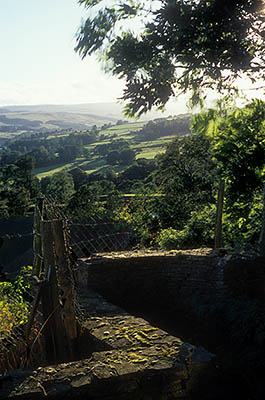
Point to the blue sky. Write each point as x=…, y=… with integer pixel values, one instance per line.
x=38, y=62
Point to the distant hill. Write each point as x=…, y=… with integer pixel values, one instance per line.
x=17, y=120
x=106, y=110
x=85, y=114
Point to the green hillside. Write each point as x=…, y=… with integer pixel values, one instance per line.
x=135, y=135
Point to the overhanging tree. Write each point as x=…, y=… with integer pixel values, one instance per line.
x=179, y=46
x=238, y=146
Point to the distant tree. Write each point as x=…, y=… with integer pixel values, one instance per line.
x=95, y=177
x=69, y=152
x=101, y=149
x=83, y=202
x=79, y=177
x=10, y=156
x=113, y=157
x=42, y=157
x=187, y=178
x=102, y=187
x=110, y=174
x=60, y=187
x=183, y=46
x=18, y=201
x=139, y=170
x=45, y=181
x=18, y=186
x=127, y=156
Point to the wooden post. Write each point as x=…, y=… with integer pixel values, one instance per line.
x=66, y=284
x=219, y=215
x=262, y=232
x=55, y=340
x=37, y=242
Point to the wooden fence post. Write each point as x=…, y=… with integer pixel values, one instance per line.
x=219, y=215
x=55, y=340
x=262, y=232
x=37, y=241
x=66, y=283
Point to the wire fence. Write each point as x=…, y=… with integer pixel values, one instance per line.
x=28, y=318
x=91, y=234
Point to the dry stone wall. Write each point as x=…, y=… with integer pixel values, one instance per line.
x=171, y=279
x=164, y=280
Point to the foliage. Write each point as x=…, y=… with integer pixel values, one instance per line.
x=239, y=148
x=199, y=230
x=186, y=176
x=164, y=127
x=237, y=137
x=141, y=214
x=85, y=201
x=18, y=186
x=60, y=186
x=14, y=308
x=242, y=223
x=179, y=46
x=47, y=150
x=167, y=239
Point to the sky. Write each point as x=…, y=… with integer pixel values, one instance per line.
x=38, y=62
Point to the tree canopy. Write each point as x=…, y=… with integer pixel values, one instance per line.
x=179, y=46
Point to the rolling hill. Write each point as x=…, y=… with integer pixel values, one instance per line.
x=25, y=120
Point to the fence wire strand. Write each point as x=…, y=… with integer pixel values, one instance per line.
x=85, y=237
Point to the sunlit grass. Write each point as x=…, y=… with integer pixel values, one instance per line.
x=123, y=129
x=94, y=163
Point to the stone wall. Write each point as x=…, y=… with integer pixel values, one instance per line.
x=171, y=279
x=246, y=277
x=129, y=360
x=157, y=279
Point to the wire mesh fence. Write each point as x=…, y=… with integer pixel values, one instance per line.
x=91, y=234
x=29, y=313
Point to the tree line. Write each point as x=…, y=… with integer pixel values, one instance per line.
x=174, y=195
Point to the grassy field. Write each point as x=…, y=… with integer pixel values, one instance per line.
x=123, y=131
x=94, y=163
x=52, y=169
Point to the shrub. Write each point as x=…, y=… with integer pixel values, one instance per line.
x=168, y=239
x=198, y=231
x=14, y=308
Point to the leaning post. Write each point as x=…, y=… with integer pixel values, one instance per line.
x=37, y=239
x=54, y=332
x=262, y=232
x=66, y=283
x=219, y=215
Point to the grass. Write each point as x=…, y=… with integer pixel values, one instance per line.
x=145, y=149
x=123, y=129
x=148, y=154
x=52, y=169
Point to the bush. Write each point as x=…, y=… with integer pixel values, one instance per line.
x=14, y=308
x=198, y=231
x=168, y=239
